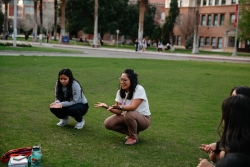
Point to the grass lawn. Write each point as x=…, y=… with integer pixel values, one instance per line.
x=184, y=96
x=37, y=49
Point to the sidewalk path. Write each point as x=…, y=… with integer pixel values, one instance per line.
x=125, y=53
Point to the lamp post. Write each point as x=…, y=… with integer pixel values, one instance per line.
x=15, y=15
x=236, y=32
x=117, y=32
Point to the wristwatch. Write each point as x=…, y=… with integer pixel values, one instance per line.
x=120, y=108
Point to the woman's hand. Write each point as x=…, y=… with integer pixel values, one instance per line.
x=204, y=163
x=56, y=105
x=209, y=148
x=100, y=104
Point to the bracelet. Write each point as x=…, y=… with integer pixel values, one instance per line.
x=120, y=108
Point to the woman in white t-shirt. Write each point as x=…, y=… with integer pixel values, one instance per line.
x=131, y=110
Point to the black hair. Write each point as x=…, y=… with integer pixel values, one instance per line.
x=233, y=160
x=133, y=83
x=245, y=90
x=235, y=136
x=59, y=91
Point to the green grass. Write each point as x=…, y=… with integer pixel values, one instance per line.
x=184, y=97
x=37, y=49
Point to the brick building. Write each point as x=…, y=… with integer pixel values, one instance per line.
x=216, y=28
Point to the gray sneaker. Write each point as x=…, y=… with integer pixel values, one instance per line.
x=63, y=121
x=80, y=125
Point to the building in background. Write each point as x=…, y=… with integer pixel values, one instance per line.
x=216, y=28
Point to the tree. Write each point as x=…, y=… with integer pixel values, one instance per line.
x=41, y=16
x=55, y=18
x=27, y=24
x=244, y=21
x=168, y=26
x=95, y=44
x=35, y=19
x=63, y=3
x=186, y=23
x=195, y=49
x=5, y=25
x=143, y=4
x=1, y=21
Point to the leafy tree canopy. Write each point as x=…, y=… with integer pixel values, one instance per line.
x=244, y=21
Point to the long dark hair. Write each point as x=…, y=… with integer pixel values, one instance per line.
x=59, y=92
x=133, y=83
x=245, y=90
x=235, y=135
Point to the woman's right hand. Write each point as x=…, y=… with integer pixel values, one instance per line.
x=100, y=104
x=209, y=148
x=52, y=104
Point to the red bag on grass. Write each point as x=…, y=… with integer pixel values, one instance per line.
x=26, y=151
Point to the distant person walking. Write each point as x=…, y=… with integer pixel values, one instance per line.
x=144, y=45
x=41, y=38
x=136, y=45
x=48, y=38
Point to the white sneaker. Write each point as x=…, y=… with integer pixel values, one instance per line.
x=63, y=122
x=80, y=125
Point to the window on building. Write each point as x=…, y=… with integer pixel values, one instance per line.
x=181, y=3
x=222, y=19
x=233, y=2
x=216, y=19
x=203, y=21
x=209, y=20
x=232, y=17
x=223, y=2
x=219, y=43
x=210, y=2
x=204, y=2
x=29, y=10
x=207, y=41
x=213, y=42
x=179, y=40
x=217, y=2
x=201, y=41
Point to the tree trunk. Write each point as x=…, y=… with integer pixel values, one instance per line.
x=5, y=23
x=41, y=16
x=55, y=19
x=62, y=19
x=196, y=27
x=141, y=19
x=95, y=44
x=35, y=19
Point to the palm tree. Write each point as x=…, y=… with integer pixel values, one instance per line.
x=196, y=27
x=62, y=18
x=95, y=25
x=143, y=4
x=55, y=19
x=35, y=19
x=41, y=16
x=5, y=23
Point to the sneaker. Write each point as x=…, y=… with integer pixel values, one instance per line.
x=63, y=121
x=80, y=125
x=131, y=141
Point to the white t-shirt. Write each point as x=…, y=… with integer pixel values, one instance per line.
x=139, y=93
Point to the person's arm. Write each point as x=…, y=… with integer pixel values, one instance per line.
x=205, y=163
x=132, y=107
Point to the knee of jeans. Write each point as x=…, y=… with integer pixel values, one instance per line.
x=107, y=125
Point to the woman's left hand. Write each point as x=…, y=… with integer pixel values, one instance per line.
x=56, y=105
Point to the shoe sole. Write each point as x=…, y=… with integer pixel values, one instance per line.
x=130, y=144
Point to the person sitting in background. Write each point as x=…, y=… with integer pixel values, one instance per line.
x=235, y=136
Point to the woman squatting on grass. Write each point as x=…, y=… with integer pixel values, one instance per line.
x=70, y=100
x=235, y=137
x=131, y=110
x=214, y=149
